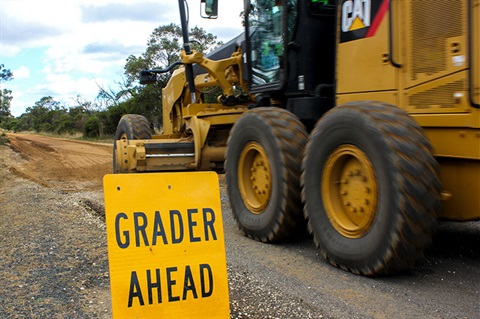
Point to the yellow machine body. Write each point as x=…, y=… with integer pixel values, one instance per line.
x=408, y=57
x=194, y=134
x=425, y=65
x=360, y=118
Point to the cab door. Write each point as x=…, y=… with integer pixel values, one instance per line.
x=364, y=68
x=265, y=32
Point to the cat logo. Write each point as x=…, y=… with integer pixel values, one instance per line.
x=355, y=15
x=361, y=18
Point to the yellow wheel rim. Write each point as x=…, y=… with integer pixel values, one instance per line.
x=254, y=179
x=349, y=191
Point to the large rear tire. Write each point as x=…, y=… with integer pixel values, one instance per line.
x=131, y=127
x=263, y=161
x=370, y=188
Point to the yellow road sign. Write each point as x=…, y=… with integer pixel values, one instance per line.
x=165, y=245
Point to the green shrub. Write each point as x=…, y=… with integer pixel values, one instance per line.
x=92, y=127
x=4, y=139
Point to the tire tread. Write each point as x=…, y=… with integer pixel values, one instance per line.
x=290, y=138
x=411, y=154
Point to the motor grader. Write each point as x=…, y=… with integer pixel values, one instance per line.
x=357, y=120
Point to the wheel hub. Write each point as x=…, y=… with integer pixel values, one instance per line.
x=349, y=191
x=254, y=177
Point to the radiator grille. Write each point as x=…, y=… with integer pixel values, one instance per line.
x=432, y=22
x=439, y=97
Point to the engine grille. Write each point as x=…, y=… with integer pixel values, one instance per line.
x=432, y=22
x=439, y=97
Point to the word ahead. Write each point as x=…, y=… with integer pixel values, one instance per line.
x=166, y=245
x=154, y=283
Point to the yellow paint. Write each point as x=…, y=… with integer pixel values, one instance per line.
x=350, y=191
x=475, y=11
x=432, y=84
x=361, y=66
x=461, y=179
x=357, y=24
x=166, y=226
x=255, y=178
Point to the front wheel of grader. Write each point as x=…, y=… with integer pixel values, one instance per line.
x=262, y=164
x=370, y=188
x=130, y=127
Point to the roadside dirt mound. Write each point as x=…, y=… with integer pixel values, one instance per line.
x=66, y=164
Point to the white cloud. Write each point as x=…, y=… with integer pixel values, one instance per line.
x=21, y=73
x=127, y=11
x=21, y=100
x=79, y=43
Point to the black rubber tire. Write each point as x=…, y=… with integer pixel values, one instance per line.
x=408, y=191
x=131, y=127
x=283, y=138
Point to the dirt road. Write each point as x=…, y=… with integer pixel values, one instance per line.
x=53, y=238
x=66, y=164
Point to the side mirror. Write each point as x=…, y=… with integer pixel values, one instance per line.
x=147, y=77
x=209, y=9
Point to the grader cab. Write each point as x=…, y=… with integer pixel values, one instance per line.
x=355, y=120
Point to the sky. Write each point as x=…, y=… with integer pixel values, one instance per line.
x=69, y=48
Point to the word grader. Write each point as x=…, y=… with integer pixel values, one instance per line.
x=147, y=235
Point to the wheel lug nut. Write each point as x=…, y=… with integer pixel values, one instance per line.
x=367, y=190
x=343, y=193
x=366, y=201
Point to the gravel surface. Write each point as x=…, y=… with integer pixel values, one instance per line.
x=54, y=254
x=54, y=261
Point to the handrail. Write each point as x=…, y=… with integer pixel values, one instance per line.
x=470, y=55
x=186, y=45
x=390, y=40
